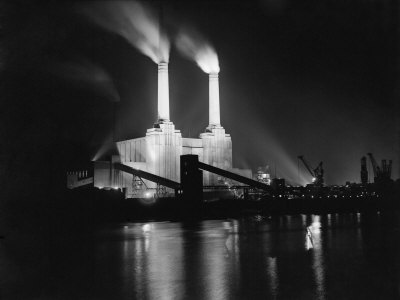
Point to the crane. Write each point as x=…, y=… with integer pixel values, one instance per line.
x=383, y=172
x=317, y=173
x=375, y=168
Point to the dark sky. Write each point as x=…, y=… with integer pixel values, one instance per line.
x=315, y=78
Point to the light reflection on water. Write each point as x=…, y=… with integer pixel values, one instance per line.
x=317, y=257
x=297, y=257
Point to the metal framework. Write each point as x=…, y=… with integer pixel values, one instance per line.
x=234, y=176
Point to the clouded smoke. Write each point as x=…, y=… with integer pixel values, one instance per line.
x=135, y=22
x=192, y=45
x=88, y=75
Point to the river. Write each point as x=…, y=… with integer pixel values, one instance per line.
x=334, y=256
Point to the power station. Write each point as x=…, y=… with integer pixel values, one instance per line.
x=159, y=151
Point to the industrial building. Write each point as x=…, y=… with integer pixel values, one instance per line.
x=159, y=151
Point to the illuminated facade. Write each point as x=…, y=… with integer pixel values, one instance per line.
x=159, y=151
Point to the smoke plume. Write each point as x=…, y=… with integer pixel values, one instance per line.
x=192, y=45
x=87, y=75
x=135, y=22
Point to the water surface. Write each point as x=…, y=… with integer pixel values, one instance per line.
x=347, y=256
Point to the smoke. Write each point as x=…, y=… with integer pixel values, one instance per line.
x=192, y=45
x=135, y=22
x=88, y=75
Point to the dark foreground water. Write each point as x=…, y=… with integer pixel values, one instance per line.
x=347, y=256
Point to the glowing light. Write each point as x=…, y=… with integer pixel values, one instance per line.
x=315, y=227
x=135, y=22
x=148, y=194
x=146, y=228
x=192, y=45
x=313, y=180
x=163, y=92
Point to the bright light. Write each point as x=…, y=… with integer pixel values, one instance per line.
x=115, y=188
x=191, y=44
x=134, y=21
x=147, y=194
x=146, y=228
x=313, y=180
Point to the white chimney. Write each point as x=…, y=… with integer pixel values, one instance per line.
x=214, y=100
x=163, y=92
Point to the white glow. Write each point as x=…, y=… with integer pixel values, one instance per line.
x=146, y=228
x=315, y=227
x=309, y=244
x=163, y=92
x=147, y=194
x=214, y=115
x=135, y=22
x=192, y=45
x=273, y=275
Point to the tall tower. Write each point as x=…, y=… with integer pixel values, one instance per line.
x=163, y=93
x=217, y=145
x=214, y=115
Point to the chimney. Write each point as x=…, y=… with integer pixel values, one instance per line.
x=163, y=93
x=214, y=101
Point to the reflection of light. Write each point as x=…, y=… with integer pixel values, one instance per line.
x=273, y=276
x=313, y=234
x=146, y=228
x=216, y=278
x=309, y=242
x=303, y=220
x=115, y=187
x=147, y=194
x=227, y=226
x=316, y=225
x=165, y=264
x=235, y=226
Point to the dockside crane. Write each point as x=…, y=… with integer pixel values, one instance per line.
x=317, y=173
x=381, y=173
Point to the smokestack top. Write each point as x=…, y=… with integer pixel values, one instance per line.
x=162, y=66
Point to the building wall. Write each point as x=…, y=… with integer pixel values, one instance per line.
x=133, y=150
x=192, y=146
x=163, y=151
x=217, y=151
x=159, y=153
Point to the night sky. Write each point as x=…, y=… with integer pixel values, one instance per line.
x=315, y=78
